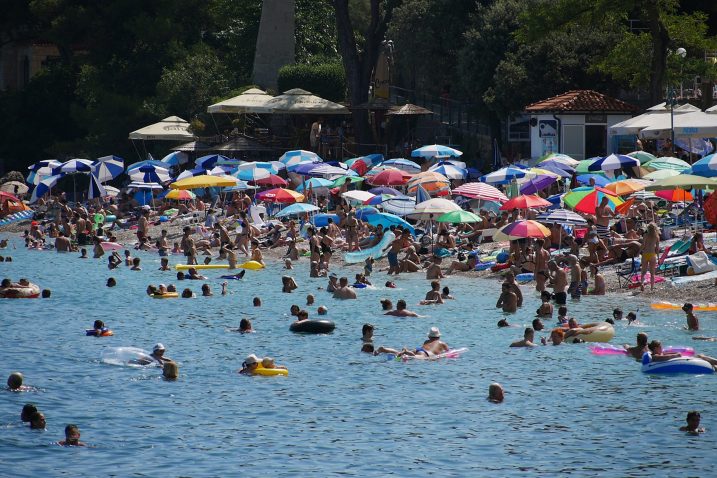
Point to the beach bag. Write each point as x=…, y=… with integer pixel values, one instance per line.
x=701, y=263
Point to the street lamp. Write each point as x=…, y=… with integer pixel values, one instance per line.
x=672, y=101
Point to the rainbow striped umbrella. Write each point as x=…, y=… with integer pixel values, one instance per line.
x=586, y=199
x=521, y=230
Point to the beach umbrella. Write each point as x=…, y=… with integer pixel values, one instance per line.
x=530, y=201
x=506, y=175
x=538, y=183
x=190, y=173
x=272, y=166
x=521, y=230
x=459, y=217
x=341, y=180
x=434, y=151
x=107, y=168
x=482, y=191
x=14, y=187
x=390, y=177
x=644, y=196
x=643, y=156
x=250, y=172
x=360, y=165
x=298, y=156
x=74, y=166
x=111, y=191
x=143, y=185
x=220, y=170
x=431, y=181
x=315, y=183
x=599, y=179
x=204, y=181
x=44, y=186
x=683, y=181
x=386, y=190
x=433, y=208
x=240, y=186
x=364, y=211
x=583, y=166
x=563, y=217
x=44, y=167
x=378, y=199
x=555, y=164
x=180, y=195
x=662, y=174
x=147, y=162
x=280, y=195
x=613, y=162
x=560, y=157
x=387, y=220
x=176, y=158
x=330, y=171
x=400, y=206
x=586, y=199
x=210, y=160
x=96, y=189
x=668, y=163
x=271, y=180
x=449, y=170
x=556, y=171
x=150, y=173
x=675, y=195
x=357, y=196
x=303, y=169
x=625, y=187
x=403, y=164
x=706, y=167
x=297, y=209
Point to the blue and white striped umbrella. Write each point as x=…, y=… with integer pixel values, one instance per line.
x=298, y=156
x=304, y=169
x=506, y=175
x=251, y=172
x=176, y=158
x=221, y=170
x=190, y=173
x=449, y=170
x=144, y=185
x=150, y=162
x=107, y=168
x=272, y=166
x=403, y=164
x=150, y=174
x=96, y=190
x=74, y=166
x=435, y=150
x=210, y=160
x=297, y=209
x=44, y=167
x=613, y=162
x=705, y=167
x=240, y=186
x=44, y=186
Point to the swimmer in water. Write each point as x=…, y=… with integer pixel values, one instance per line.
x=508, y=300
x=98, y=328
x=249, y=365
x=27, y=412
x=72, y=436
x=367, y=333
x=170, y=371
x=527, y=341
x=638, y=350
x=14, y=382
x=256, y=301
x=288, y=284
x=37, y=421
x=135, y=264
x=557, y=336
x=693, y=423
x=310, y=299
x=245, y=326
x=495, y=393
x=157, y=355
x=390, y=285
x=546, y=308
x=433, y=296
x=268, y=362
x=401, y=310
x=692, y=322
x=194, y=275
x=446, y=294
x=164, y=264
x=111, y=282
x=322, y=310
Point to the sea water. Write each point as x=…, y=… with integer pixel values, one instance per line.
x=339, y=412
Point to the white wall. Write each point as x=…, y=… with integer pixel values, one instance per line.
x=537, y=148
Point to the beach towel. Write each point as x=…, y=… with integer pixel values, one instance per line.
x=701, y=263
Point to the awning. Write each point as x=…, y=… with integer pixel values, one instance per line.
x=172, y=128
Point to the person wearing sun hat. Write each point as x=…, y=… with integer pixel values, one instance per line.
x=158, y=354
x=433, y=345
x=250, y=364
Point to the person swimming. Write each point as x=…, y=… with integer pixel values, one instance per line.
x=72, y=436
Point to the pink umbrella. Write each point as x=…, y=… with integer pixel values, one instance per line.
x=271, y=180
x=525, y=202
x=390, y=177
x=482, y=191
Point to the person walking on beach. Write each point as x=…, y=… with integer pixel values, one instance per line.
x=650, y=250
x=541, y=265
x=603, y=213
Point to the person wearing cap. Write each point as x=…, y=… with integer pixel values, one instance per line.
x=333, y=282
x=292, y=253
x=158, y=354
x=434, y=345
x=249, y=365
x=14, y=382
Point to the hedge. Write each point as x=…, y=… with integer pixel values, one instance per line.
x=327, y=80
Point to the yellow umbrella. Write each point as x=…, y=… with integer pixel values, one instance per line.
x=625, y=187
x=204, y=181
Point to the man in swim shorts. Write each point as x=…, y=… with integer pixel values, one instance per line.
x=560, y=283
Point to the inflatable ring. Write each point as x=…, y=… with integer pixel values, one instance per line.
x=313, y=326
x=500, y=267
x=270, y=372
x=251, y=265
x=677, y=365
x=696, y=307
x=110, y=218
x=166, y=295
x=481, y=266
x=359, y=286
x=105, y=333
x=29, y=292
x=599, y=332
x=525, y=277
x=98, y=218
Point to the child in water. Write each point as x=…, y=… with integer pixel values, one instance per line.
x=72, y=436
x=268, y=362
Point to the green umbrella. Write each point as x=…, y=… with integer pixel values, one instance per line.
x=667, y=163
x=457, y=217
x=582, y=167
x=340, y=181
x=643, y=156
x=661, y=174
x=683, y=181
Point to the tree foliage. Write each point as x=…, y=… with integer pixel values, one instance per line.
x=326, y=80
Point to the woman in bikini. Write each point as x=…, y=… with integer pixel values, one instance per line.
x=650, y=250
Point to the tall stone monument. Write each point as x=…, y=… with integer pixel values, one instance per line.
x=275, y=44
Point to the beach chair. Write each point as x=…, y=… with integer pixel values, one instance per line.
x=627, y=272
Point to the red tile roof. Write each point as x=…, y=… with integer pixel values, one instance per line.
x=581, y=100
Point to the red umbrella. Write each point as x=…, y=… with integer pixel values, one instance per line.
x=281, y=195
x=4, y=195
x=360, y=167
x=390, y=177
x=529, y=201
x=271, y=180
x=675, y=195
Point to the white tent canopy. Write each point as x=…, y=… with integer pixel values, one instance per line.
x=652, y=117
x=696, y=124
x=172, y=128
x=244, y=103
x=300, y=102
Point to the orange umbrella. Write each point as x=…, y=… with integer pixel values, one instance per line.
x=675, y=195
x=625, y=187
x=430, y=181
x=528, y=201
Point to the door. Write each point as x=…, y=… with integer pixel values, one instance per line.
x=574, y=141
x=595, y=140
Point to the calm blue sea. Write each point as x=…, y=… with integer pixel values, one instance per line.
x=339, y=412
